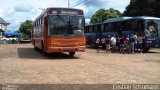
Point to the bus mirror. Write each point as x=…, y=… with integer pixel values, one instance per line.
x=57, y=14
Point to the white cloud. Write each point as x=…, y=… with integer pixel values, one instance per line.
x=23, y=8
x=91, y=6
x=117, y=4
x=17, y=11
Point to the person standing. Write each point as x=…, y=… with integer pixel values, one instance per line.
x=97, y=44
x=113, y=44
x=126, y=40
x=103, y=43
x=108, y=42
x=140, y=43
x=92, y=42
x=117, y=43
x=131, y=42
x=135, y=43
x=122, y=45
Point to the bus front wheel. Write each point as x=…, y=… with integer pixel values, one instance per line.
x=146, y=50
x=71, y=53
x=35, y=48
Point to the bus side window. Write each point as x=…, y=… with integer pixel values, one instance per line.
x=95, y=28
x=90, y=29
x=105, y=28
x=102, y=27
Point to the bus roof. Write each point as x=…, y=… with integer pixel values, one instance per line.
x=111, y=20
x=146, y=17
x=125, y=18
x=93, y=24
x=47, y=9
x=62, y=8
x=117, y=19
x=129, y=18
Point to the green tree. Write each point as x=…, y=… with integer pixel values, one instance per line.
x=104, y=14
x=143, y=8
x=26, y=28
x=156, y=8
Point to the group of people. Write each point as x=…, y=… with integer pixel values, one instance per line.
x=121, y=43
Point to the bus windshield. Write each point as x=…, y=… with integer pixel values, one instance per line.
x=153, y=27
x=66, y=26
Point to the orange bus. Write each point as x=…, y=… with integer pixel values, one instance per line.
x=59, y=30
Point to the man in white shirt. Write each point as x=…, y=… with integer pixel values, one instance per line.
x=113, y=44
x=97, y=44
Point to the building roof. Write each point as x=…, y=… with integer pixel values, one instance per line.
x=11, y=33
x=1, y=30
x=2, y=21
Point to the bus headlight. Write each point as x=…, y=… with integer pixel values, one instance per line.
x=81, y=44
x=81, y=48
x=149, y=41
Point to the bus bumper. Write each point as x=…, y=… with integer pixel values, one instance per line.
x=65, y=49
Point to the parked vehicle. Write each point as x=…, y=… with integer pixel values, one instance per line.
x=25, y=40
x=9, y=40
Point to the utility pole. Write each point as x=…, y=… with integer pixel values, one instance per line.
x=68, y=3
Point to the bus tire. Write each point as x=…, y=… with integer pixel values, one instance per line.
x=42, y=49
x=71, y=53
x=146, y=50
x=35, y=48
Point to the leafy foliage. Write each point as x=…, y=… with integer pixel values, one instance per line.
x=103, y=14
x=26, y=28
x=156, y=8
x=143, y=8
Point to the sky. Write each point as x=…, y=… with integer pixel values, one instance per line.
x=17, y=11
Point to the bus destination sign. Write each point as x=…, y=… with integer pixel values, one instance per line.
x=65, y=11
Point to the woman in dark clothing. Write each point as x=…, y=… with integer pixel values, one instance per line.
x=108, y=42
x=117, y=43
x=126, y=40
x=122, y=45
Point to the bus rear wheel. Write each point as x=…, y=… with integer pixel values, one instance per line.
x=71, y=53
x=42, y=50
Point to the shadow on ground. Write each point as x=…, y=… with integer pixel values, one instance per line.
x=30, y=53
x=149, y=60
x=153, y=52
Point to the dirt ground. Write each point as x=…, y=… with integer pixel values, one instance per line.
x=21, y=64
